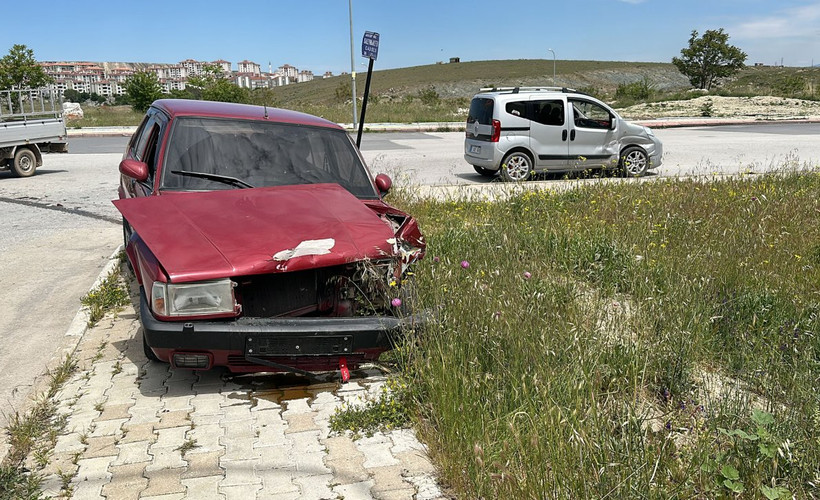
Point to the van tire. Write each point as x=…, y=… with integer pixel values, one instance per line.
x=24, y=163
x=486, y=172
x=634, y=162
x=517, y=167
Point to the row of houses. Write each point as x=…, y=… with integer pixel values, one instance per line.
x=108, y=79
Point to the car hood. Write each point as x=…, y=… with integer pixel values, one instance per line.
x=216, y=234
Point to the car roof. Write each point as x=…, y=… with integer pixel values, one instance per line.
x=189, y=107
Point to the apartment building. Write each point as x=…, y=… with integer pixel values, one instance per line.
x=88, y=77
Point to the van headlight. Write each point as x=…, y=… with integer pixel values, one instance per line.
x=200, y=298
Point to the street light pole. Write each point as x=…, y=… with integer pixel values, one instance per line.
x=352, y=61
x=553, y=66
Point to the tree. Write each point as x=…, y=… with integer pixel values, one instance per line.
x=19, y=70
x=212, y=85
x=142, y=89
x=709, y=58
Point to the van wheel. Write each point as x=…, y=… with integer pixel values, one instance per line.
x=24, y=163
x=485, y=171
x=634, y=162
x=517, y=167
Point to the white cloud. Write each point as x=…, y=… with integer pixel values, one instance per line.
x=793, y=23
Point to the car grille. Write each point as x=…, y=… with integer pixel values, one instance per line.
x=271, y=295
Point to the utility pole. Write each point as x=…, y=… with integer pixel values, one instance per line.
x=553, y=66
x=352, y=61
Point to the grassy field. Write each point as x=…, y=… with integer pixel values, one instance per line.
x=442, y=92
x=649, y=340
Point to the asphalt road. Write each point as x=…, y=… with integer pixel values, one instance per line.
x=58, y=228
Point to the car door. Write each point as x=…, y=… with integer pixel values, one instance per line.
x=144, y=147
x=548, y=132
x=592, y=140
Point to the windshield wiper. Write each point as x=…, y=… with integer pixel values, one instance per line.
x=225, y=179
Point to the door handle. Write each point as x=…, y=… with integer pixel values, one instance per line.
x=572, y=135
x=564, y=135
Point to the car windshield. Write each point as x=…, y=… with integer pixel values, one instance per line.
x=260, y=154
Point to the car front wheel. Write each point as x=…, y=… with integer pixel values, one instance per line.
x=516, y=167
x=634, y=162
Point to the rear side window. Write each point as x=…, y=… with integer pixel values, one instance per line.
x=481, y=111
x=548, y=112
x=517, y=108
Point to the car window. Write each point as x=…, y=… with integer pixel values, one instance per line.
x=587, y=114
x=548, y=112
x=261, y=154
x=517, y=108
x=481, y=111
x=138, y=141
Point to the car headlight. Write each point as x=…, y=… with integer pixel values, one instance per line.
x=649, y=131
x=193, y=299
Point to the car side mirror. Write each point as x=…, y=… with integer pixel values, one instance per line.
x=383, y=184
x=135, y=169
x=613, y=123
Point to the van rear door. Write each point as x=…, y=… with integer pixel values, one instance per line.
x=548, y=133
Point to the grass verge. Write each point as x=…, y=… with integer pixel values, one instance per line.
x=33, y=434
x=109, y=296
x=624, y=340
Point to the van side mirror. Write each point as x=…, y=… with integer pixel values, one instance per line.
x=383, y=184
x=135, y=169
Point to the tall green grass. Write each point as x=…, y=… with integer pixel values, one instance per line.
x=616, y=340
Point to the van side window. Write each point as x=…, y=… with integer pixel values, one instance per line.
x=548, y=112
x=590, y=115
x=518, y=108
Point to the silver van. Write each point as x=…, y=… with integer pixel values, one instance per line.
x=519, y=131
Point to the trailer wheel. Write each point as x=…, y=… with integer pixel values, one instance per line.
x=24, y=163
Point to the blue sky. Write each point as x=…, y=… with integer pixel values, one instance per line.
x=315, y=34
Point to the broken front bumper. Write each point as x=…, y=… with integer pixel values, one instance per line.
x=302, y=343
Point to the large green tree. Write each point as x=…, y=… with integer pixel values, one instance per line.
x=212, y=85
x=709, y=58
x=142, y=88
x=19, y=70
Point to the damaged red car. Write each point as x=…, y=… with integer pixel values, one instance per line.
x=261, y=242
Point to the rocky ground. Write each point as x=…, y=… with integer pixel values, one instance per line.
x=760, y=107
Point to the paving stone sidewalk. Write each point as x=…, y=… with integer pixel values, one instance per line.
x=137, y=429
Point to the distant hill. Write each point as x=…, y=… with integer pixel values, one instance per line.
x=462, y=80
x=454, y=80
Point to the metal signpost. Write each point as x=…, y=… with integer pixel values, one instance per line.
x=370, y=50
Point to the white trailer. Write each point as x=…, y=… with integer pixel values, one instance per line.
x=31, y=123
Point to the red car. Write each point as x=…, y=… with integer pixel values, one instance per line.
x=260, y=241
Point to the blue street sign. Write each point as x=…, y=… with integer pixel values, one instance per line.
x=370, y=45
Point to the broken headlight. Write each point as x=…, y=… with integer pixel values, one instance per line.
x=193, y=299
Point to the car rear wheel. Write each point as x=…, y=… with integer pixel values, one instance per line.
x=485, y=171
x=634, y=162
x=24, y=163
x=516, y=167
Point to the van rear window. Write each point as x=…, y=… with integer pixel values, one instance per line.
x=481, y=111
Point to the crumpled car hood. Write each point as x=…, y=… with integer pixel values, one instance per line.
x=217, y=234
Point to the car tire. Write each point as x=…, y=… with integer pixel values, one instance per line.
x=147, y=350
x=486, y=172
x=517, y=167
x=24, y=163
x=634, y=162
